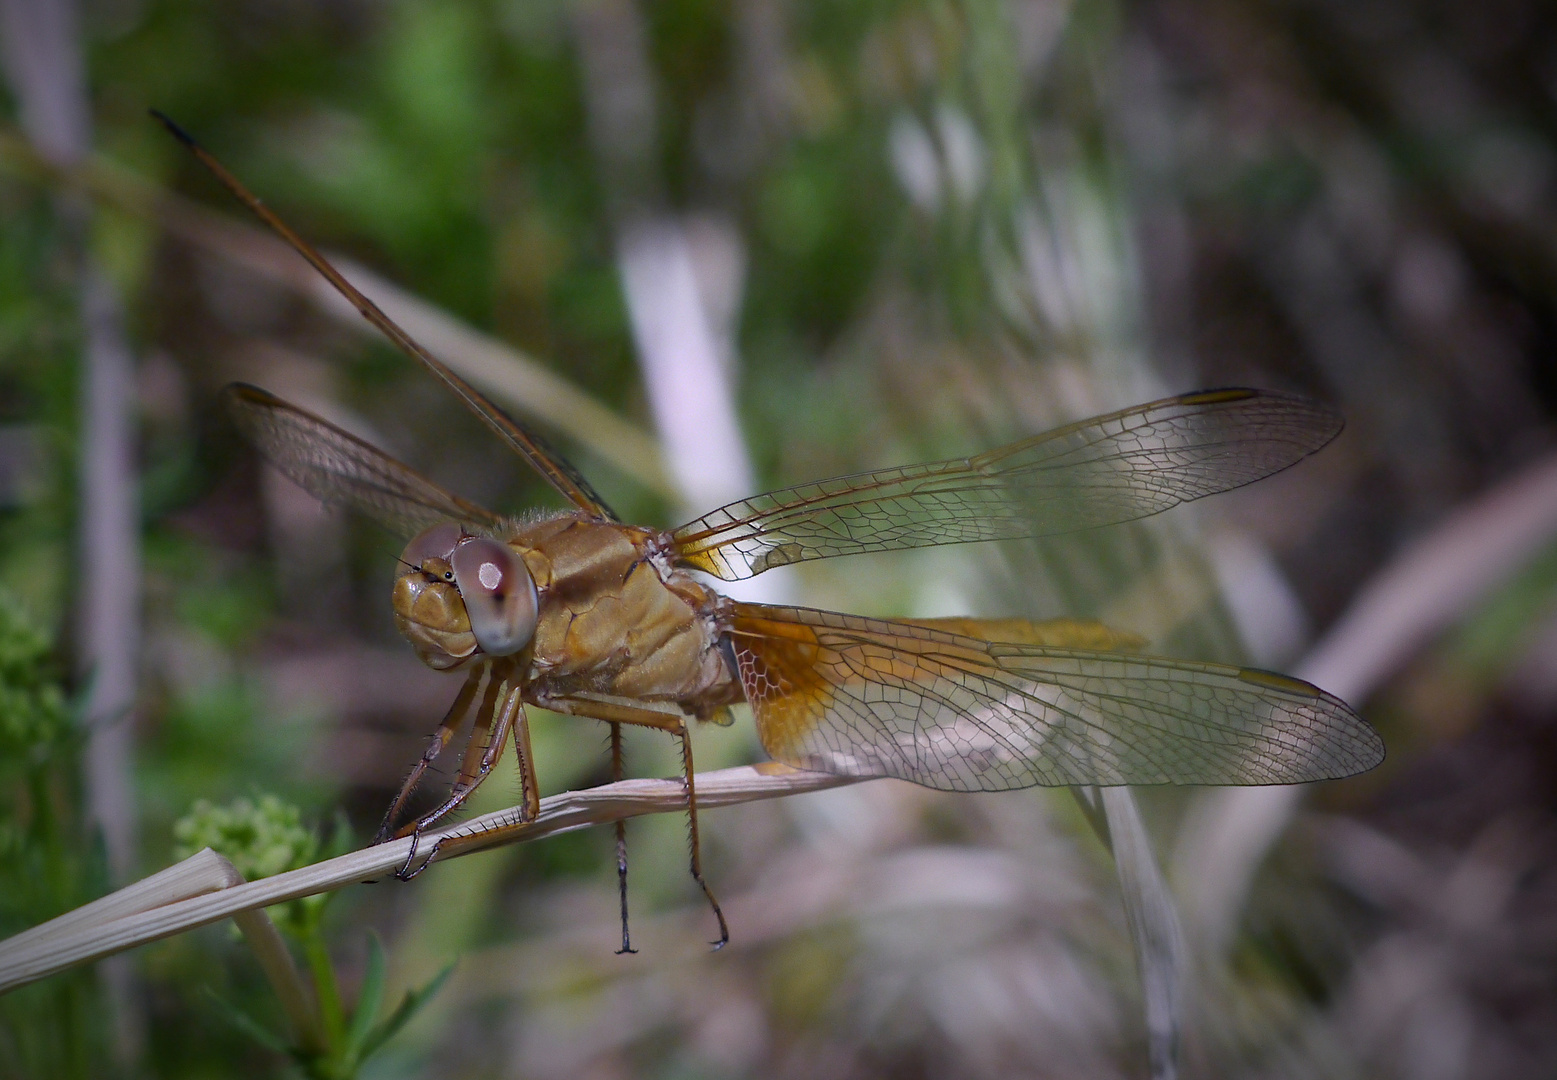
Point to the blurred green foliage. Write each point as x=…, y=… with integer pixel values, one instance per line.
x=32, y=706
x=48, y=862
x=260, y=837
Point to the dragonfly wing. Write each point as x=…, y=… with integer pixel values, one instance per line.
x=869, y=697
x=342, y=470
x=526, y=443
x=1114, y=468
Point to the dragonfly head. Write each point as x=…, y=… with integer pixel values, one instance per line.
x=458, y=595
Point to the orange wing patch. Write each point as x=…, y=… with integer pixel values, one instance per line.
x=916, y=700
x=781, y=670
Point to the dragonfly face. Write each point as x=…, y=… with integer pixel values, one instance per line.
x=460, y=594
x=426, y=598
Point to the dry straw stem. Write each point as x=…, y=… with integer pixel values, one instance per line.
x=519, y=381
x=199, y=891
x=1156, y=931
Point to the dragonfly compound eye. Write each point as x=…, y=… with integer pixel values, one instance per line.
x=499, y=594
x=437, y=542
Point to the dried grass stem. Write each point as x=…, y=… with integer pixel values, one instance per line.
x=197, y=891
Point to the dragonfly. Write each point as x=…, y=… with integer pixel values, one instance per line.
x=580, y=613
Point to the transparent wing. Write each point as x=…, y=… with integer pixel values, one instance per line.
x=342, y=470
x=544, y=458
x=869, y=697
x=1113, y=468
x=557, y=470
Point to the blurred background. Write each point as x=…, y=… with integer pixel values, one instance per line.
x=711, y=247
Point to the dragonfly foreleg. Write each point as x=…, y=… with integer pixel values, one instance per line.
x=440, y=740
x=501, y=708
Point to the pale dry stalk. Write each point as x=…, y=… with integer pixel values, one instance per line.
x=205, y=889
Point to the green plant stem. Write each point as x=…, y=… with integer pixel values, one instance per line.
x=327, y=991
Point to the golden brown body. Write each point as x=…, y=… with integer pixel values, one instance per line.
x=615, y=620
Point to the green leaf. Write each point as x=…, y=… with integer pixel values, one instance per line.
x=251, y=1027
x=409, y=1006
x=368, y=1002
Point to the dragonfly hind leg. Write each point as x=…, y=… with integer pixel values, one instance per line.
x=617, y=773
x=616, y=712
x=692, y=837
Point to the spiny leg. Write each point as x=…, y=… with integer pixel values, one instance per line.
x=439, y=742
x=621, y=838
x=476, y=745
x=611, y=712
x=697, y=858
x=529, y=786
x=499, y=708
x=488, y=734
x=675, y=724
